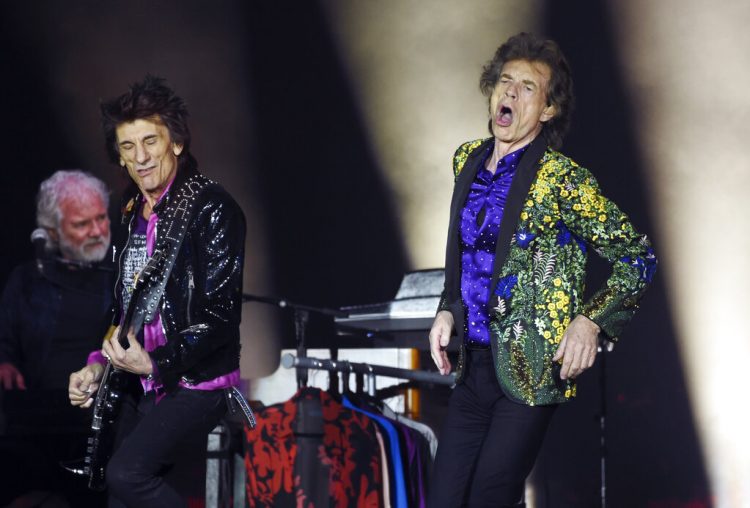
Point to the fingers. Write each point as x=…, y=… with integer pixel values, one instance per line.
x=577, y=357
x=440, y=335
x=444, y=367
x=20, y=381
x=11, y=377
x=132, y=340
x=578, y=347
x=560, y=349
x=571, y=362
x=115, y=353
x=77, y=393
x=435, y=350
x=83, y=385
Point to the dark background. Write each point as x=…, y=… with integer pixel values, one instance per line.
x=275, y=119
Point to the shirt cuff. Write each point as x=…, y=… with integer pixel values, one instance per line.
x=96, y=357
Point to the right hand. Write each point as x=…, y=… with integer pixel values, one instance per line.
x=83, y=385
x=11, y=377
x=440, y=336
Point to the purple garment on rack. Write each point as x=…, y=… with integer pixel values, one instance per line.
x=413, y=465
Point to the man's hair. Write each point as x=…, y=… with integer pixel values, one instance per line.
x=526, y=46
x=151, y=99
x=65, y=184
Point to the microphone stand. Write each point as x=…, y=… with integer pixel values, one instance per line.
x=301, y=318
x=604, y=347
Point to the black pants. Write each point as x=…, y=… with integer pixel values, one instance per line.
x=150, y=436
x=488, y=443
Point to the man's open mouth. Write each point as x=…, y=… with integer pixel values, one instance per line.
x=505, y=117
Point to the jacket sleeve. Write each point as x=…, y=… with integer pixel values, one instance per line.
x=216, y=307
x=600, y=223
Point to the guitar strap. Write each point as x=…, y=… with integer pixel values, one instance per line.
x=175, y=221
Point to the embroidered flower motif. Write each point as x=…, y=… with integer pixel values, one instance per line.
x=563, y=236
x=524, y=238
x=646, y=267
x=506, y=285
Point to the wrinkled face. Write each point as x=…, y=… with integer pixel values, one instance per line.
x=148, y=153
x=518, y=104
x=83, y=231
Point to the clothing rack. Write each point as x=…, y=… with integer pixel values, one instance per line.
x=290, y=361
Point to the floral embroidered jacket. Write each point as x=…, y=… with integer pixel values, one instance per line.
x=554, y=214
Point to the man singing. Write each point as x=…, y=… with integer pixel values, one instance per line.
x=523, y=219
x=187, y=352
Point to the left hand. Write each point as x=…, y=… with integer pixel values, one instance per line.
x=135, y=359
x=578, y=347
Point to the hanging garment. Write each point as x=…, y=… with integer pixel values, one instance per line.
x=312, y=452
x=417, y=446
x=399, y=485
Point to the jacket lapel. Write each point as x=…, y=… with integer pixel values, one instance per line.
x=519, y=190
x=463, y=185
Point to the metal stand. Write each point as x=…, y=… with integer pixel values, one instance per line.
x=604, y=347
x=301, y=318
x=225, y=471
x=369, y=371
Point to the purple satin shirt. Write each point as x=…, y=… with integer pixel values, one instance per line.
x=480, y=225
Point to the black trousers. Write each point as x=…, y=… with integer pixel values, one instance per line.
x=151, y=436
x=488, y=443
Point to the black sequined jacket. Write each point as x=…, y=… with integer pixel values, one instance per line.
x=202, y=302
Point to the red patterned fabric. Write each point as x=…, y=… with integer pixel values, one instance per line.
x=346, y=453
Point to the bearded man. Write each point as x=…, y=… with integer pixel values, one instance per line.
x=53, y=311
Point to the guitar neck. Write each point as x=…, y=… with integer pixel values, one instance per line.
x=146, y=274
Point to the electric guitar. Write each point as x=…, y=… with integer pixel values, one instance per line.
x=111, y=387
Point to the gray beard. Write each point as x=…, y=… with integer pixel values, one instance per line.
x=97, y=248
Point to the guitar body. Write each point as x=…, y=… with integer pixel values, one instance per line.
x=112, y=387
x=114, y=384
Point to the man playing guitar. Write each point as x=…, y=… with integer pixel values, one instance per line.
x=181, y=342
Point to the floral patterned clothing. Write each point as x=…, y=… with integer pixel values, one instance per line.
x=344, y=469
x=554, y=214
